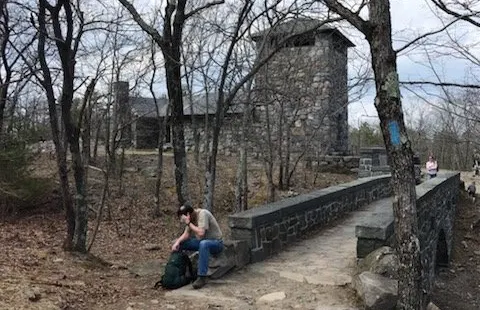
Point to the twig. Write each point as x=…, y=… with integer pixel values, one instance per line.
x=56, y=283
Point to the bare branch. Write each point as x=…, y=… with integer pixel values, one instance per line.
x=441, y=84
x=145, y=27
x=423, y=36
x=468, y=18
x=355, y=19
x=203, y=7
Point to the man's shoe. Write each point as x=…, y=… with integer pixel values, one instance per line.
x=199, y=283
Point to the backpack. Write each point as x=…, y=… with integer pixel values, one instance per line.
x=178, y=272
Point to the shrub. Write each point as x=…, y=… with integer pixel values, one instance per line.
x=17, y=187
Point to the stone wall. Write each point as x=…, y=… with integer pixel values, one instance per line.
x=337, y=163
x=267, y=229
x=229, y=137
x=303, y=89
x=373, y=161
x=436, y=204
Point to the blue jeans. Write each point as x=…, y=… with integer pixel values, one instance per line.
x=205, y=247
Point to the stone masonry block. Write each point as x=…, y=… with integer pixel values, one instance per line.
x=267, y=248
x=263, y=234
x=257, y=255
x=291, y=238
x=246, y=235
x=241, y=251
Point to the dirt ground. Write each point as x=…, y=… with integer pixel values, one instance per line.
x=37, y=274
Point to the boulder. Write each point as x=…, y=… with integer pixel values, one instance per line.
x=383, y=261
x=377, y=292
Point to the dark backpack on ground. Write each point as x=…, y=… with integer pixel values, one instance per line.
x=178, y=272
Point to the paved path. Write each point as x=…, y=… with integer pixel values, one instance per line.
x=315, y=273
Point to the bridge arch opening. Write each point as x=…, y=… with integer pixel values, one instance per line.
x=441, y=255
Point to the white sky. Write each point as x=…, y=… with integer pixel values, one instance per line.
x=410, y=18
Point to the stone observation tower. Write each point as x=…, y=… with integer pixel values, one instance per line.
x=303, y=88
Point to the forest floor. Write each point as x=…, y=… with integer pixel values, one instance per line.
x=37, y=274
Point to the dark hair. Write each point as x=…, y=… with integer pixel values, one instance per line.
x=184, y=209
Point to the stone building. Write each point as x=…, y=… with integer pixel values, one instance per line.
x=302, y=90
x=300, y=95
x=138, y=118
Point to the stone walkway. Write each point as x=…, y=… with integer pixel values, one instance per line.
x=315, y=273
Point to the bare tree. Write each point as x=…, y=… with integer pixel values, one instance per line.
x=170, y=42
x=10, y=53
x=234, y=76
x=62, y=17
x=377, y=30
x=162, y=121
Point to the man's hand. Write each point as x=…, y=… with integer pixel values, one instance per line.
x=175, y=246
x=185, y=219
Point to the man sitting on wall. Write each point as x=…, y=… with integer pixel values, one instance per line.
x=201, y=234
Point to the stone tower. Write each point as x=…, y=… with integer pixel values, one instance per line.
x=304, y=86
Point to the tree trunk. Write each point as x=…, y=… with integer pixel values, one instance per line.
x=241, y=185
x=173, y=77
x=98, y=130
x=85, y=119
x=158, y=183
x=281, y=162
x=269, y=159
x=194, y=124
x=162, y=123
x=86, y=135
x=377, y=31
x=81, y=218
x=72, y=136
x=288, y=174
x=3, y=103
x=388, y=104
x=60, y=148
x=210, y=171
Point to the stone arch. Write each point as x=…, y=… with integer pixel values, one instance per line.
x=441, y=253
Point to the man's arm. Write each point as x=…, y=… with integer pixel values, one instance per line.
x=198, y=231
x=180, y=239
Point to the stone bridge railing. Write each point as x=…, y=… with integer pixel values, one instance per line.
x=268, y=228
x=436, y=204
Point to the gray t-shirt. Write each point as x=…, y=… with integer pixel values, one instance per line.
x=208, y=222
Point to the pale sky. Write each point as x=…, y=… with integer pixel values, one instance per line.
x=409, y=19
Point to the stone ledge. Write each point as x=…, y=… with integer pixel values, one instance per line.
x=273, y=212
x=266, y=230
x=236, y=254
x=380, y=226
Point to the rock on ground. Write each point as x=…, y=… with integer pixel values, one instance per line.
x=376, y=291
x=382, y=261
x=272, y=297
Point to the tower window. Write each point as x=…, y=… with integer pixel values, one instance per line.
x=300, y=41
